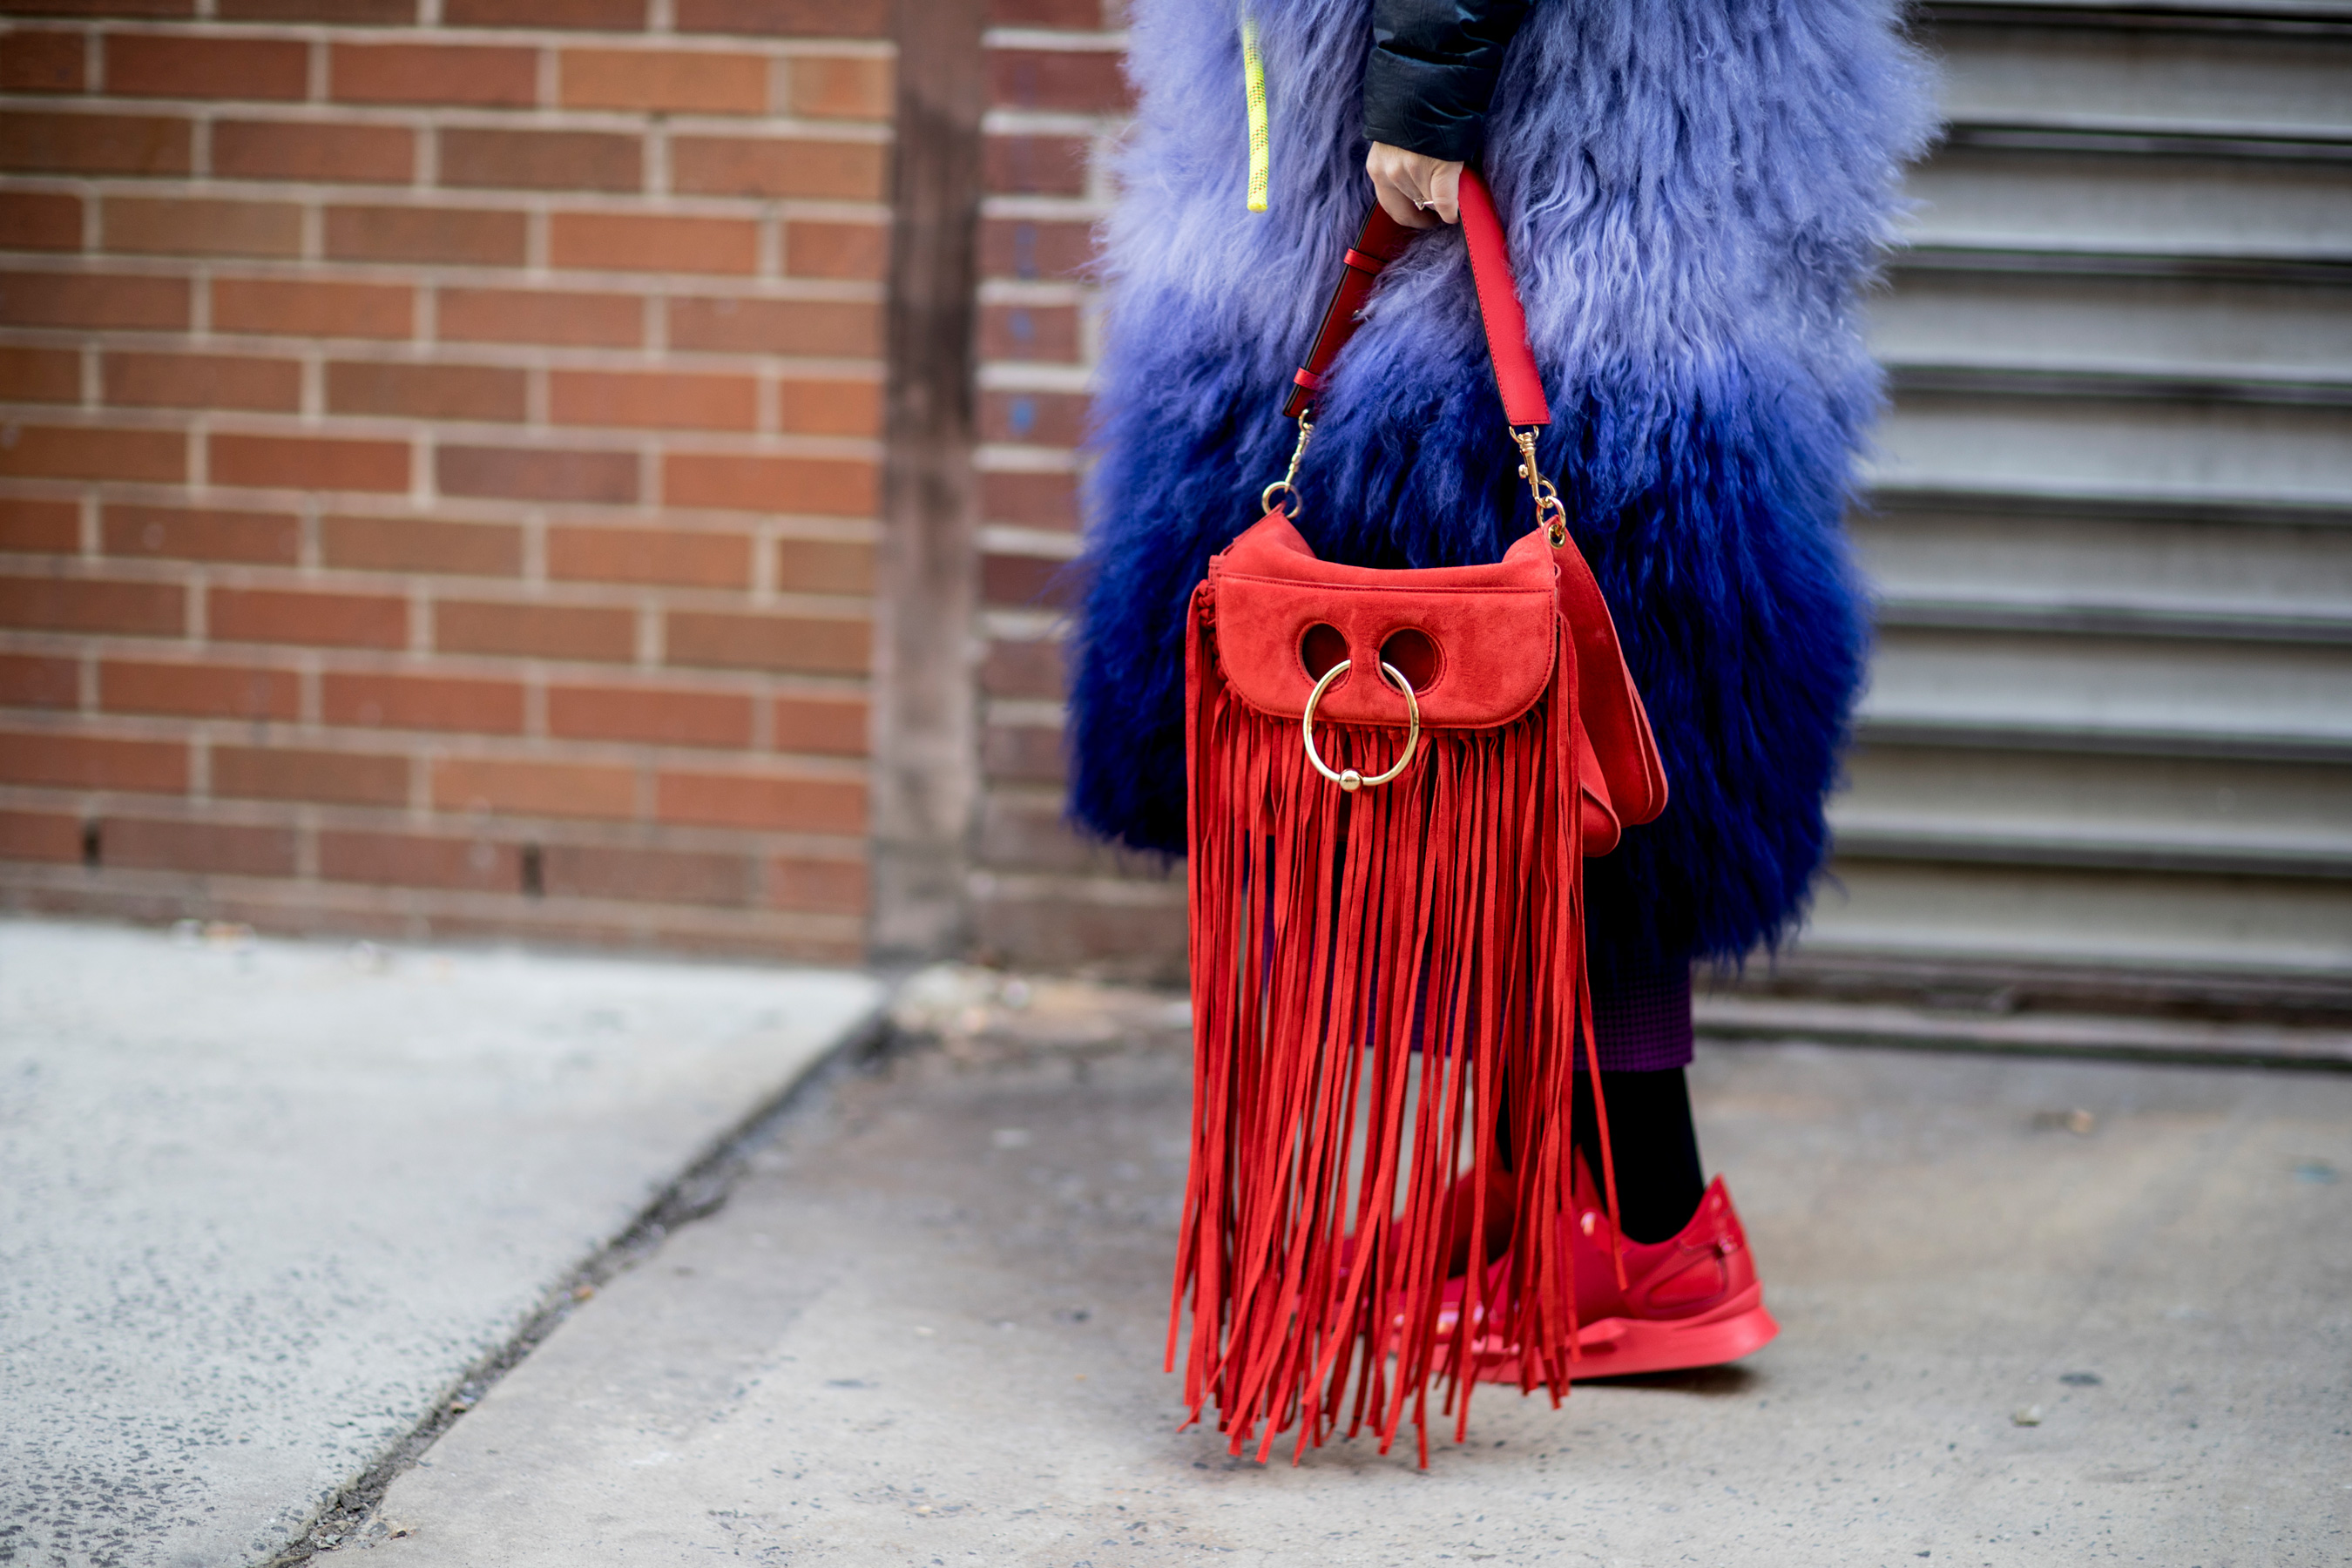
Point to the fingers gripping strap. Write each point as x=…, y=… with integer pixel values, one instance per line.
x=1382, y=241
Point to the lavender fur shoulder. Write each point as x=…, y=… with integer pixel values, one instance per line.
x=1695, y=192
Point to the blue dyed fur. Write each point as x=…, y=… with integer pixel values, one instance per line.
x=1697, y=190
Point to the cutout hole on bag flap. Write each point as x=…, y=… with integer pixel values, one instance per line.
x=1324, y=646
x=1414, y=653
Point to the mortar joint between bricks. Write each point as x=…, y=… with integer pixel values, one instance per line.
x=764, y=537
x=306, y=843
x=649, y=633
x=763, y=717
x=769, y=255
x=767, y=396
x=656, y=161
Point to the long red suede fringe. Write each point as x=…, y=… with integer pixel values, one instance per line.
x=1333, y=936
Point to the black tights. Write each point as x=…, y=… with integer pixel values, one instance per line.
x=1652, y=1145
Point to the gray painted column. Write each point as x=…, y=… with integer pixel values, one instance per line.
x=926, y=751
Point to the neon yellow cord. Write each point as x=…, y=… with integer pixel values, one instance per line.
x=1253, y=74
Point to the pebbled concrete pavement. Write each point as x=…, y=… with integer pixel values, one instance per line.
x=263, y=1203
x=2034, y=1312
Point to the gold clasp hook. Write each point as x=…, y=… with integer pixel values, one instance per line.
x=1550, y=509
x=1284, y=484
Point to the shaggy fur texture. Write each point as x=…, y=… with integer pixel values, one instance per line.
x=1695, y=192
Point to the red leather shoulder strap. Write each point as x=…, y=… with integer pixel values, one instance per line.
x=1499, y=306
x=1381, y=241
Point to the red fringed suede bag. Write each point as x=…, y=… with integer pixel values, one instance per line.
x=1395, y=777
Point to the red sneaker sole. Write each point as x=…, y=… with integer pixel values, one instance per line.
x=1627, y=1347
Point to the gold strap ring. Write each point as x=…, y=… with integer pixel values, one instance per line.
x=1348, y=779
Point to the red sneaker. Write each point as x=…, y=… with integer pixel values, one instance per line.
x=1692, y=1300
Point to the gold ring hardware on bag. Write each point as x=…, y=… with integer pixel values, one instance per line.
x=1348, y=779
x=1284, y=484
x=1549, y=511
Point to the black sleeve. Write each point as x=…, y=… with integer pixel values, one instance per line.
x=1432, y=72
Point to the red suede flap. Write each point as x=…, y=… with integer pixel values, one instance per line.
x=1614, y=724
x=1491, y=627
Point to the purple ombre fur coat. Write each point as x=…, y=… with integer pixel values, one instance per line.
x=1696, y=192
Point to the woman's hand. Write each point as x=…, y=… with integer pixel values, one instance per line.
x=1414, y=188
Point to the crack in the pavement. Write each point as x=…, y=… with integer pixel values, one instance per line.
x=697, y=1193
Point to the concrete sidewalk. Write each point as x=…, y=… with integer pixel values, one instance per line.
x=264, y=1204
x=2034, y=1312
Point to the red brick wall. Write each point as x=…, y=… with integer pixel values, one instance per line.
x=1043, y=895
x=440, y=461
